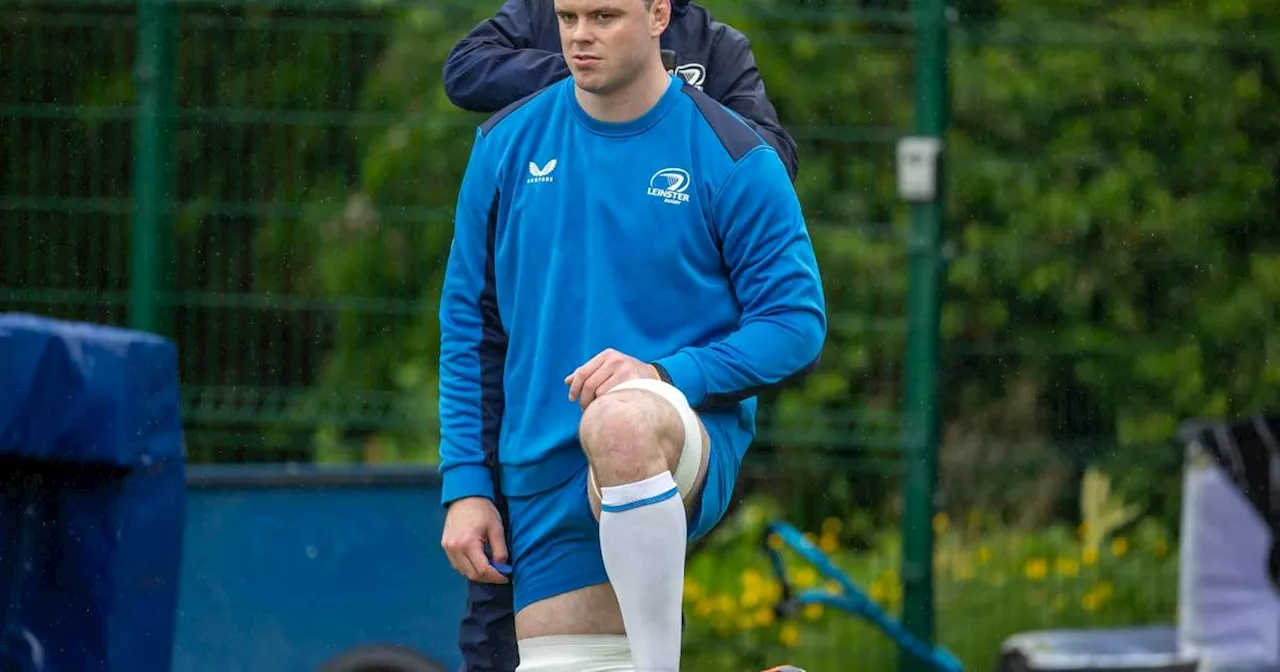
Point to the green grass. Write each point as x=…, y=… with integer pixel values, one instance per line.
x=991, y=583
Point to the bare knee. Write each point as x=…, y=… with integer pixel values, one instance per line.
x=630, y=435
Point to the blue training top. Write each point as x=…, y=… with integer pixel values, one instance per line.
x=676, y=238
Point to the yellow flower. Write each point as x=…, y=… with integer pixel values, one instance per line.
x=984, y=555
x=692, y=590
x=725, y=604
x=940, y=523
x=828, y=543
x=834, y=587
x=831, y=526
x=1161, y=548
x=1119, y=546
x=813, y=611
x=1036, y=569
x=963, y=571
x=704, y=608
x=764, y=616
x=1096, y=597
x=1067, y=567
x=789, y=635
x=775, y=542
x=1089, y=555
x=806, y=577
x=878, y=592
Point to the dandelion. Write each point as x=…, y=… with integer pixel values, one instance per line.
x=1036, y=569
x=789, y=635
x=1119, y=546
x=828, y=543
x=940, y=523
x=831, y=526
x=813, y=612
x=764, y=616
x=806, y=577
x=984, y=555
x=1089, y=556
x=1096, y=597
x=878, y=591
x=1067, y=567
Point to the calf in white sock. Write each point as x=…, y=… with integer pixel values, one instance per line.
x=634, y=439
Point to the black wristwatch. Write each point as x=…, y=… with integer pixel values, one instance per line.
x=662, y=373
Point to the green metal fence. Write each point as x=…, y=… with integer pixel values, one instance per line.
x=271, y=184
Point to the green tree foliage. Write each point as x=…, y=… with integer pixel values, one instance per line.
x=1115, y=259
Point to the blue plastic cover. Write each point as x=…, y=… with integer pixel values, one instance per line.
x=86, y=393
x=92, y=497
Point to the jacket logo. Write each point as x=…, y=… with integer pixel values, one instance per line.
x=671, y=185
x=694, y=73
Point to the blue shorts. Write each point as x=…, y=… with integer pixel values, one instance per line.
x=555, y=538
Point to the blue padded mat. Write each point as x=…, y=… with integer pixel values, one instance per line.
x=86, y=393
x=92, y=497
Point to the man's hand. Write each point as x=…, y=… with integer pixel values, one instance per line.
x=471, y=523
x=602, y=372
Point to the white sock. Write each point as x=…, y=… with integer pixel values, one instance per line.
x=643, y=537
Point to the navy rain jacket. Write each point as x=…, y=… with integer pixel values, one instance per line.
x=517, y=52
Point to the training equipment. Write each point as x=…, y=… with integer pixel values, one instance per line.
x=1228, y=603
x=1139, y=649
x=850, y=598
x=92, y=497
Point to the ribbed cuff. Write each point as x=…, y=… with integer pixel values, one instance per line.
x=466, y=480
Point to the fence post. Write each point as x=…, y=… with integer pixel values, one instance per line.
x=921, y=417
x=152, y=166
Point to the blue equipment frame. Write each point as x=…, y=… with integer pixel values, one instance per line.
x=851, y=599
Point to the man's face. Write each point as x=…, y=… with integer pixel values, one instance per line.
x=606, y=43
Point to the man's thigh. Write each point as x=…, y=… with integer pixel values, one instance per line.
x=555, y=542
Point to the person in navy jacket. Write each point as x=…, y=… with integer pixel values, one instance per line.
x=517, y=52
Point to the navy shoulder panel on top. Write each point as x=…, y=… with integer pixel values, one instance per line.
x=737, y=137
x=505, y=112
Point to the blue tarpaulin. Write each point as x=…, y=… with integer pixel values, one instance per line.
x=92, y=495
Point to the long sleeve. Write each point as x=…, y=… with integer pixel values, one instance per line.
x=734, y=80
x=774, y=272
x=472, y=340
x=497, y=63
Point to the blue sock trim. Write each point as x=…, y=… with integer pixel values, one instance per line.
x=619, y=508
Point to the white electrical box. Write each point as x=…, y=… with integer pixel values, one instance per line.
x=919, y=163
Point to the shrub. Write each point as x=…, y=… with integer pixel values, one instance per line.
x=990, y=583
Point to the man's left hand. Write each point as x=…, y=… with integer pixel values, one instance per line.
x=602, y=372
